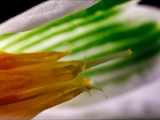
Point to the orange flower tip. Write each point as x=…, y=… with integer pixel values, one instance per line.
x=129, y=52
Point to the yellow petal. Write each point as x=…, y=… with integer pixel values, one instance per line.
x=49, y=65
x=29, y=103
x=18, y=80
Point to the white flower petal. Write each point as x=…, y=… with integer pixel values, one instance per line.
x=43, y=13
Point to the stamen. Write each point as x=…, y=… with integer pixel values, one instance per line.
x=101, y=91
x=107, y=58
x=86, y=90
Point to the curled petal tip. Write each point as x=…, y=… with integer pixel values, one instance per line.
x=71, y=47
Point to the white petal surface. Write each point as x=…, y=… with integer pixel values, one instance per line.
x=44, y=13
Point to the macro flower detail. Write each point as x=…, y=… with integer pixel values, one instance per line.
x=33, y=82
x=33, y=79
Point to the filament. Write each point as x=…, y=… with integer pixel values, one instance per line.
x=107, y=58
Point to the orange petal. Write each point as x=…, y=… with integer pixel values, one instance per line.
x=14, y=81
x=29, y=103
x=8, y=61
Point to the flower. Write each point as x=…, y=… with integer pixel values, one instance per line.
x=104, y=28
x=37, y=81
x=34, y=82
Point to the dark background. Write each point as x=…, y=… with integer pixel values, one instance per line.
x=10, y=8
